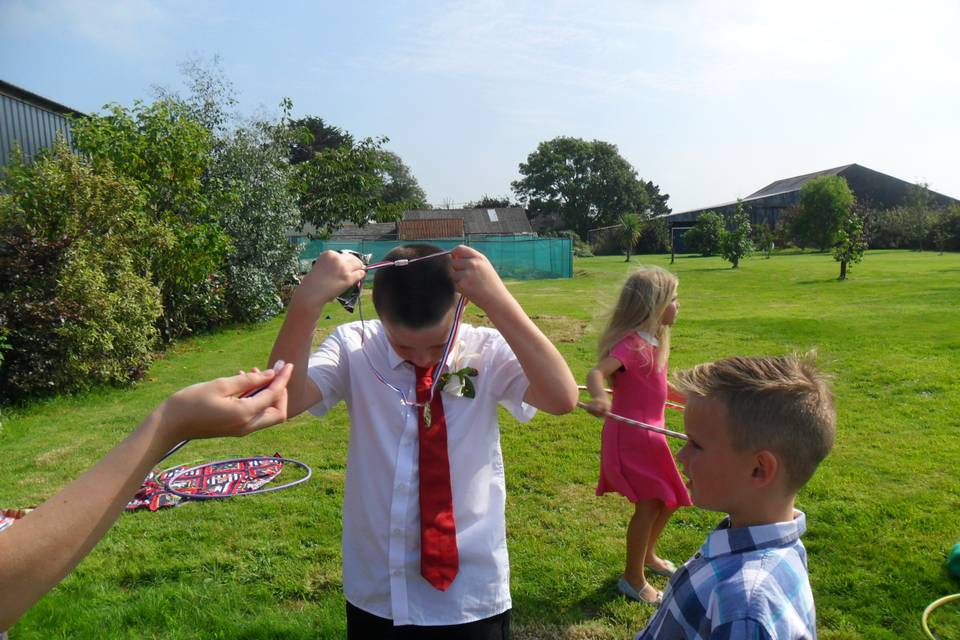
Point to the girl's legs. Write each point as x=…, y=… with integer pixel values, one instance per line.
x=651, y=558
x=645, y=516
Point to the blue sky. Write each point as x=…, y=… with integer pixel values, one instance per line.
x=711, y=100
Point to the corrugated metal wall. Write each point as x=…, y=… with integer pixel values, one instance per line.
x=33, y=127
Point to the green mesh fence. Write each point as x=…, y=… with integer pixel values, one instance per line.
x=513, y=257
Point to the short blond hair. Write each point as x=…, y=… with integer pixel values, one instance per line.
x=782, y=404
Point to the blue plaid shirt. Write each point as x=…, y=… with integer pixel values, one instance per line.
x=747, y=583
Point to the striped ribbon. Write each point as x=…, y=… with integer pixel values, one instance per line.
x=447, y=347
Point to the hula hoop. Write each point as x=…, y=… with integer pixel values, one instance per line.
x=930, y=607
x=636, y=423
x=268, y=489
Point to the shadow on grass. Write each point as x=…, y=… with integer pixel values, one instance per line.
x=593, y=614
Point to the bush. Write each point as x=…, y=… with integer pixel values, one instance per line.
x=167, y=152
x=888, y=229
x=76, y=304
x=257, y=207
x=704, y=238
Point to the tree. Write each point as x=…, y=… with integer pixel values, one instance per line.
x=764, y=239
x=825, y=203
x=631, y=226
x=311, y=135
x=658, y=201
x=168, y=154
x=345, y=183
x=704, y=237
x=490, y=202
x=735, y=243
x=919, y=214
x=850, y=243
x=585, y=184
x=400, y=186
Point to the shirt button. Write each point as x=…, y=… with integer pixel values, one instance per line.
x=397, y=572
x=398, y=531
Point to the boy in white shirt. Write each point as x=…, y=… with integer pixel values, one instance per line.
x=424, y=542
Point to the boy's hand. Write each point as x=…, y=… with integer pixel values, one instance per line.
x=475, y=278
x=599, y=406
x=332, y=274
x=215, y=409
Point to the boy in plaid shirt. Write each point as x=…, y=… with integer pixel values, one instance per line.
x=758, y=428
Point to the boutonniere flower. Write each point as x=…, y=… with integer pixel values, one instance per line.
x=458, y=383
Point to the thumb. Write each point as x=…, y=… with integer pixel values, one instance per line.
x=271, y=402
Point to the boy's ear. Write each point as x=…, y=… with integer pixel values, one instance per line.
x=766, y=468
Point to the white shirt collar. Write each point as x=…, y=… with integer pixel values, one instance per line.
x=649, y=338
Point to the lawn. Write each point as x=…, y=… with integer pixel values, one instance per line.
x=882, y=511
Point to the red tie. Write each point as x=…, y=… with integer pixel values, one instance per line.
x=439, y=560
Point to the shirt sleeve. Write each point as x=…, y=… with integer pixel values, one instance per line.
x=508, y=383
x=327, y=368
x=746, y=629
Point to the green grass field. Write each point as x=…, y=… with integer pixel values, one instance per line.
x=883, y=510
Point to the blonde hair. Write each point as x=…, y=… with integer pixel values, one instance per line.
x=781, y=404
x=644, y=297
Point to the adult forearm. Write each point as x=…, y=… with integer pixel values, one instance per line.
x=551, y=381
x=44, y=546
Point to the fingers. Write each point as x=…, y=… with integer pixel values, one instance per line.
x=270, y=406
x=244, y=382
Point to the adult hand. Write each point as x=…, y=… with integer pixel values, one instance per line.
x=216, y=409
x=332, y=274
x=475, y=278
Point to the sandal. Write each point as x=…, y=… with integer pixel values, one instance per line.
x=667, y=571
x=624, y=587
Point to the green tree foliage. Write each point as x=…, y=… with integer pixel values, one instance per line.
x=585, y=184
x=658, y=201
x=492, y=202
x=825, y=203
x=947, y=230
x=399, y=184
x=167, y=153
x=311, y=135
x=704, y=237
x=735, y=242
x=339, y=179
x=850, y=244
x=764, y=239
x=919, y=214
x=76, y=302
x=346, y=184
x=631, y=226
x=257, y=208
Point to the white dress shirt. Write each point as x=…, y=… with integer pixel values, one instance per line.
x=381, y=503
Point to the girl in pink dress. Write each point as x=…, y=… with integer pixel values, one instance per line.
x=636, y=463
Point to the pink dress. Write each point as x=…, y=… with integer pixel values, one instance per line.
x=634, y=462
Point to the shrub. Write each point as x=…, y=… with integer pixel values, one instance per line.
x=76, y=302
x=704, y=238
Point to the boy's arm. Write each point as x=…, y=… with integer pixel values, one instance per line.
x=332, y=274
x=552, y=386
x=46, y=544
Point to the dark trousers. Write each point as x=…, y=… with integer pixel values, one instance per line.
x=366, y=626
